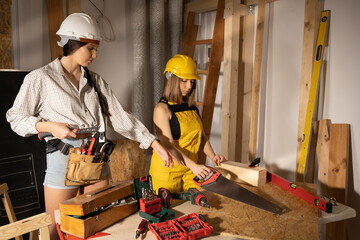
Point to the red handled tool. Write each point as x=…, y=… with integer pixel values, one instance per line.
x=141, y=228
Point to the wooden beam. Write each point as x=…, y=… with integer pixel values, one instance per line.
x=216, y=55
x=246, y=67
x=240, y=172
x=18, y=228
x=255, y=2
x=313, y=9
x=55, y=18
x=323, y=150
x=8, y=206
x=255, y=93
x=73, y=6
x=231, y=82
x=190, y=35
x=333, y=154
x=200, y=6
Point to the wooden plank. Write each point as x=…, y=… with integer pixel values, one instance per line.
x=84, y=204
x=190, y=35
x=337, y=179
x=5, y=35
x=254, y=2
x=8, y=205
x=248, y=57
x=127, y=161
x=55, y=18
x=200, y=6
x=255, y=93
x=339, y=140
x=204, y=41
x=232, y=95
x=241, y=173
x=313, y=9
x=332, y=153
x=216, y=54
x=323, y=151
x=26, y=225
x=73, y=6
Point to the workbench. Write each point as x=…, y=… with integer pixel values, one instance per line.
x=235, y=220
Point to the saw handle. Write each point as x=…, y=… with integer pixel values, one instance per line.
x=211, y=178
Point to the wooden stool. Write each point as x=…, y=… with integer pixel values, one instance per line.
x=28, y=225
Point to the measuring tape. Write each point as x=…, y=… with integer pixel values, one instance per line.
x=312, y=95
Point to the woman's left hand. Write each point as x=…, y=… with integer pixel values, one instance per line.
x=218, y=159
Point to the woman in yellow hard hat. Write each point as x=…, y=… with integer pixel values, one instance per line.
x=179, y=128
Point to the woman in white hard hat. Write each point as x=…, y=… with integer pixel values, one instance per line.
x=179, y=128
x=64, y=94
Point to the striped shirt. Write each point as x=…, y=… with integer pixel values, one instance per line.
x=47, y=94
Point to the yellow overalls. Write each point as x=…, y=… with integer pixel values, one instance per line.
x=187, y=139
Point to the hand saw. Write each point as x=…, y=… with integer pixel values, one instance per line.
x=216, y=183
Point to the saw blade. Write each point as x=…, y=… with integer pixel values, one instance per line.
x=223, y=186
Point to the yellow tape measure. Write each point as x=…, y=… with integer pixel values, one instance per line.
x=312, y=95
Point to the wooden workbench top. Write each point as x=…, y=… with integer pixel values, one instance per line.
x=235, y=220
x=232, y=218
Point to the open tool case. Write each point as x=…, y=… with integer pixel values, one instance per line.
x=189, y=227
x=89, y=213
x=150, y=209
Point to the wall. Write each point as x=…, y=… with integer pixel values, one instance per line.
x=340, y=89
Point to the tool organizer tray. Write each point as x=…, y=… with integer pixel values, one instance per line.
x=189, y=227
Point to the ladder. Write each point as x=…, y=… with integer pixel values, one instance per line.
x=213, y=71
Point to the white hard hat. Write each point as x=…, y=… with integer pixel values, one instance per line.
x=80, y=27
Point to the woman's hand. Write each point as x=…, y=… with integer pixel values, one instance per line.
x=218, y=159
x=58, y=130
x=201, y=171
x=164, y=154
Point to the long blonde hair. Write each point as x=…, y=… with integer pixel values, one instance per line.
x=173, y=93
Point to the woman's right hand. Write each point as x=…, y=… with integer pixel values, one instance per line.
x=58, y=130
x=201, y=171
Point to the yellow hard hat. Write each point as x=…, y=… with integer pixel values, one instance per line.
x=182, y=66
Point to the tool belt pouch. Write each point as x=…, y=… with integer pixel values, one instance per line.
x=81, y=170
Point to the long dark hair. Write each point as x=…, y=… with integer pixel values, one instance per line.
x=68, y=49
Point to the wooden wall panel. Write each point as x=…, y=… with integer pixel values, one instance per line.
x=5, y=35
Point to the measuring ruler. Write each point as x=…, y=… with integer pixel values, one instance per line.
x=322, y=36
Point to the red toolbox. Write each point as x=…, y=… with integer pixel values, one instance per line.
x=189, y=227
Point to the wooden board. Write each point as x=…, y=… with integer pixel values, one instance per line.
x=127, y=161
x=83, y=205
x=255, y=95
x=229, y=217
x=313, y=9
x=233, y=83
x=241, y=173
x=5, y=35
x=55, y=17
